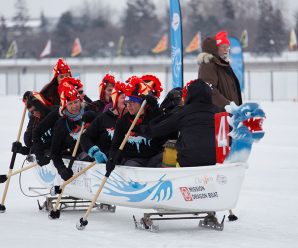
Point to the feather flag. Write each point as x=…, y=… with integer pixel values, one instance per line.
x=47, y=50
x=195, y=43
x=12, y=50
x=176, y=43
x=76, y=48
x=162, y=45
x=244, y=39
x=293, y=41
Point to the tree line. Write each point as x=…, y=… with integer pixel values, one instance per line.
x=142, y=27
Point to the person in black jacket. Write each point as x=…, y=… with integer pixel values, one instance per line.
x=46, y=125
x=195, y=123
x=38, y=109
x=67, y=128
x=97, y=138
x=139, y=150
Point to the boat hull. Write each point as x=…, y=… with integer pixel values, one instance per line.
x=198, y=189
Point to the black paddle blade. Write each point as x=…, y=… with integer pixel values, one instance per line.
x=3, y=178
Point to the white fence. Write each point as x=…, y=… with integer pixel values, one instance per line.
x=264, y=80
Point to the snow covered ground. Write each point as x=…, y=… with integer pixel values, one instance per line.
x=267, y=207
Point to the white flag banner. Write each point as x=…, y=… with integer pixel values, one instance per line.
x=47, y=50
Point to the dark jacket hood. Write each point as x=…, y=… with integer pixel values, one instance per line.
x=199, y=92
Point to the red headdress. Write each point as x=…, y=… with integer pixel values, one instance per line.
x=73, y=81
x=31, y=96
x=107, y=79
x=67, y=94
x=185, y=90
x=119, y=88
x=153, y=84
x=135, y=88
x=61, y=67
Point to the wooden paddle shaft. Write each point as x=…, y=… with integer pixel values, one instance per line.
x=13, y=157
x=95, y=198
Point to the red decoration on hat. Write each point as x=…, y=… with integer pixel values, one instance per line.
x=61, y=67
x=68, y=93
x=40, y=98
x=136, y=87
x=119, y=88
x=222, y=38
x=153, y=83
x=107, y=79
x=185, y=90
x=73, y=81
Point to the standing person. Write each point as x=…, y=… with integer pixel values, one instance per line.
x=195, y=123
x=216, y=70
x=97, y=139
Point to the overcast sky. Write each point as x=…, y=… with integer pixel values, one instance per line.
x=54, y=8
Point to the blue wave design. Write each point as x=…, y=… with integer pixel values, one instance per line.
x=119, y=182
x=130, y=189
x=46, y=175
x=164, y=187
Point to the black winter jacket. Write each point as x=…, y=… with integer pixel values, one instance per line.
x=195, y=122
x=42, y=134
x=64, y=140
x=137, y=145
x=100, y=132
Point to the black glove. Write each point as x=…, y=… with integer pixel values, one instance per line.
x=110, y=166
x=16, y=147
x=65, y=173
x=88, y=116
x=41, y=159
x=150, y=99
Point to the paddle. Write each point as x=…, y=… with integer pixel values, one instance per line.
x=12, y=161
x=83, y=221
x=3, y=178
x=232, y=216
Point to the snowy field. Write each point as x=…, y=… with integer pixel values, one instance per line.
x=267, y=207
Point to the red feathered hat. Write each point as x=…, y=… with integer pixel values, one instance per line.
x=107, y=79
x=67, y=94
x=31, y=96
x=222, y=38
x=153, y=84
x=61, y=67
x=185, y=90
x=73, y=81
x=119, y=88
x=135, y=88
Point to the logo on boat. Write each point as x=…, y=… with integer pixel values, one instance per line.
x=185, y=193
x=197, y=193
x=221, y=179
x=46, y=175
x=204, y=180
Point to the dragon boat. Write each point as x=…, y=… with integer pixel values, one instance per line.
x=189, y=189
